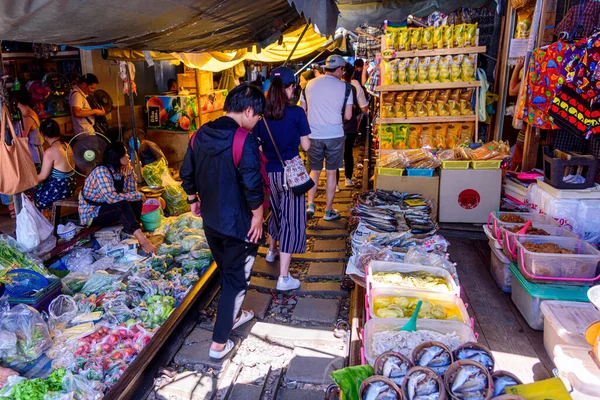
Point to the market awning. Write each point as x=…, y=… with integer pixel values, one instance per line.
x=159, y=25
x=217, y=61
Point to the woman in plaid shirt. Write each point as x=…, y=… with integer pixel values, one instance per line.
x=110, y=195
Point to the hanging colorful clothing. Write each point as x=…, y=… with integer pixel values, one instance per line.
x=542, y=82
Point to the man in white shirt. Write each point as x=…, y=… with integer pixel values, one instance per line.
x=82, y=114
x=328, y=102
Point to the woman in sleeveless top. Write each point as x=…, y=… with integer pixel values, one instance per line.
x=31, y=126
x=57, y=178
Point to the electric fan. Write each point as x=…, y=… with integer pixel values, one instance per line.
x=39, y=92
x=72, y=78
x=87, y=149
x=59, y=85
x=104, y=100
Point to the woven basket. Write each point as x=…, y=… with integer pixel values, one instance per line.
x=378, y=366
x=430, y=374
x=474, y=345
x=453, y=370
x=389, y=382
x=417, y=351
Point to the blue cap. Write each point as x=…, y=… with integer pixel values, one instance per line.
x=287, y=75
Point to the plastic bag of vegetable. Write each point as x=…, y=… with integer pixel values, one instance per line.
x=82, y=388
x=33, y=337
x=79, y=260
x=12, y=258
x=189, y=242
x=173, y=249
x=99, y=283
x=61, y=311
x=8, y=344
x=7, y=390
x=157, y=174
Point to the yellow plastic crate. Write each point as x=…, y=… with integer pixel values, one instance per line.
x=456, y=164
x=390, y=171
x=487, y=164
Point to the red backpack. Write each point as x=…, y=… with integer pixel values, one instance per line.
x=237, y=149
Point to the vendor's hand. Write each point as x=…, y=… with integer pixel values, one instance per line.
x=520, y=63
x=196, y=209
x=127, y=170
x=99, y=112
x=144, y=198
x=256, y=228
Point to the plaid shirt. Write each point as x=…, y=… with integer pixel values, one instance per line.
x=587, y=14
x=100, y=187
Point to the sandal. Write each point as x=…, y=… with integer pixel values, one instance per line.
x=217, y=355
x=245, y=317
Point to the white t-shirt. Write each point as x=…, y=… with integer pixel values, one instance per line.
x=325, y=98
x=360, y=94
x=78, y=99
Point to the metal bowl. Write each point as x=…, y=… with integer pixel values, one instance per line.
x=152, y=189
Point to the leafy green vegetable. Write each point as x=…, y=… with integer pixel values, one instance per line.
x=174, y=249
x=349, y=380
x=55, y=379
x=31, y=389
x=11, y=258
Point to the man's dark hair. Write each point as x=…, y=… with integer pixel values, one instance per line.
x=244, y=96
x=22, y=97
x=113, y=154
x=90, y=79
x=359, y=63
x=170, y=83
x=50, y=128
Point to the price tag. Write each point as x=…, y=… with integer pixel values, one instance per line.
x=153, y=116
x=415, y=203
x=388, y=53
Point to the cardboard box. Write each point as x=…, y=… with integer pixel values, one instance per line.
x=428, y=187
x=469, y=195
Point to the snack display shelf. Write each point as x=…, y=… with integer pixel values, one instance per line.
x=391, y=54
x=428, y=86
x=427, y=120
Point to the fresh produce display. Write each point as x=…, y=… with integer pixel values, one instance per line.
x=31, y=332
x=404, y=342
x=403, y=307
x=546, y=248
x=158, y=310
x=415, y=279
x=12, y=258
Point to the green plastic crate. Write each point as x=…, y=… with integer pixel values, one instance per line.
x=390, y=171
x=456, y=164
x=486, y=164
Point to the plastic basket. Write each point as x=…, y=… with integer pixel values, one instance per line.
x=556, y=168
x=510, y=238
x=24, y=281
x=494, y=223
x=455, y=164
x=486, y=164
x=390, y=171
x=420, y=172
x=41, y=300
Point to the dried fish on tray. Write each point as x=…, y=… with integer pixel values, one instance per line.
x=422, y=383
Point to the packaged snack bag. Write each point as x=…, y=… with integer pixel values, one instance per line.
x=444, y=67
x=387, y=72
x=401, y=97
x=427, y=141
x=433, y=73
x=433, y=95
x=422, y=96
x=411, y=110
x=431, y=108
x=401, y=137
x=421, y=110
x=444, y=95
x=465, y=107
x=467, y=130
x=455, y=68
x=411, y=96
x=471, y=35
x=423, y=69
x=442, y=108
x=391, y=33
x=414, y=136
x=427, y=39
x=399, y=110
x=440, y=135
x=402, y=71
x=416, y=37
x=386, y=137
x=387, y=100
x=453, y=108
x=466, y=94
x=459, y=35
x=523, y=28
x=413, y=73
x=449, y=36
x=403, y=39
x=453, y=134
x=468, y=68
x=394, y=72
x=455, y=95
x=438, y=37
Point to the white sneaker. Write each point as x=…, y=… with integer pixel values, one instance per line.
x=349, y=182
x=290, y=283
x=337, y=188
x=272, y=256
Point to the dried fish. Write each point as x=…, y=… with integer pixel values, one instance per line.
x=501, y=383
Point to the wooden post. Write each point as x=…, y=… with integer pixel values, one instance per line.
x=196, y=74
x=530, y=148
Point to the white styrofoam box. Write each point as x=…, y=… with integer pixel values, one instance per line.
x=565, y=322
x=577, y=366
x=469, y=195
x=591, y=193
x=499, y=267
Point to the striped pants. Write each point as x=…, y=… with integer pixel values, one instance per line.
x=287, y=223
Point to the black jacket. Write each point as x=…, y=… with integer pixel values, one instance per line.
x=227, y=194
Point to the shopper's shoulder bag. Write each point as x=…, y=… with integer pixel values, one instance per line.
x=17, y=170
x=295, y=176
x=239, y=138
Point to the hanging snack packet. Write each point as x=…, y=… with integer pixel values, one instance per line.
x=402, y=71
x=399, y=107
x=394, y=74
x=433, y=72
x=438, y=37
x=403, y=39
x=413, y=73
x=388, y=105
x=455, y=70
x=401, y=137
x=454, y=95
x=453, y=108
x=422, y=96
x=416, y=36
x=423, y=69
x=459, y=35
x=431, y=108
x=449, y=36
x=468, y=68
x=414, y=136
x=523, y=28
x=442, y=108
x=440, y=135
x=466, y=94
x=421, y=110
x=444, y=68
x=471, y=35
x=386, y=137
x=391, y=33
x=465, y=107
x=427, y=39
x=387, y=74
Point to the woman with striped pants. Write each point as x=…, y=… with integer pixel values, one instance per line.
x=289, y=126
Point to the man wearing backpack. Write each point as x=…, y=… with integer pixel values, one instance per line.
x=223, y=177
x=328, y=102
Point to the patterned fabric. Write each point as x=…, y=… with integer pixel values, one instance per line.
x=367, y=47
x=589, y=19
x=287, y=223
x=99, y=187
x=58, y=186
x=543, y=80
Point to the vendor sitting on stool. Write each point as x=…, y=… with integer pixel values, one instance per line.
x=57, y=178
x=110, y=195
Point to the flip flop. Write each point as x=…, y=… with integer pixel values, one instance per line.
x=217, y=355
x=246, y=316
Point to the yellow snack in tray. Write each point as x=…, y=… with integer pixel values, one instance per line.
x=430, y=106
x=386, y=137
x=433, y=71
x=449, y=36
x=438, y=37
x=403, y=42
x=427, y=39
x=455, y=68
x=470, y=35
x=442, y=108
x=453, y=108
x=401, y=137
x=459, y=35
x=402, y=71
x=468, y=68
x=416, y=36
x=444, y=68
x=465, y=107
x=413, y=73
x=423, y=69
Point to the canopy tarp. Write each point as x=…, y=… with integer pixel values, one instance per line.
x=159, y=25
x=217, y=61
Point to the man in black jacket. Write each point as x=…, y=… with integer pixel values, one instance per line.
x=230, y=199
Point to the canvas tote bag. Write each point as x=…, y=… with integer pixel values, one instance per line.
x=17, y=170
